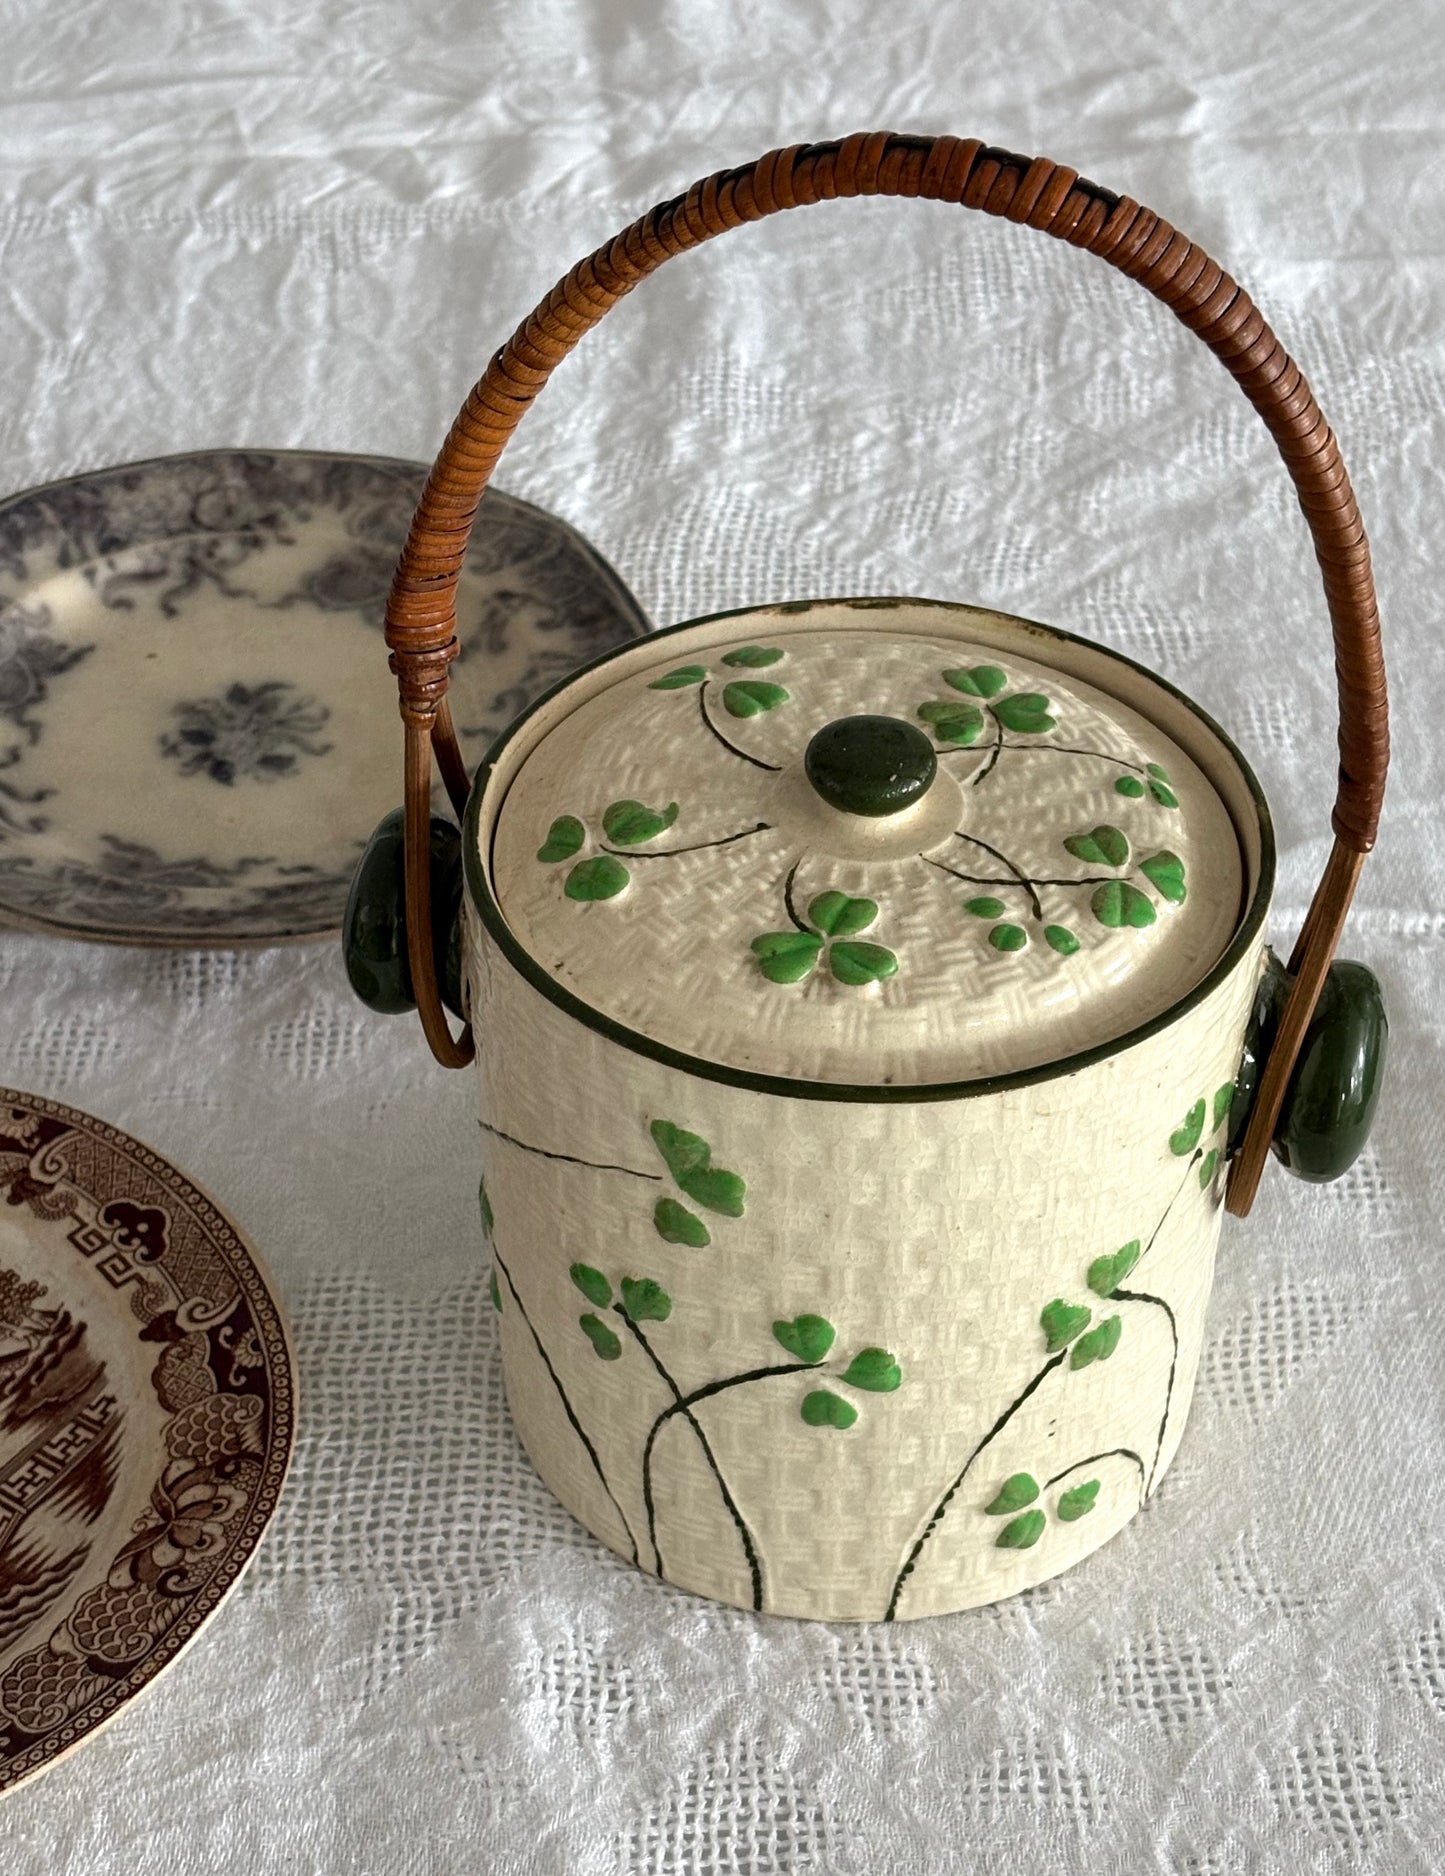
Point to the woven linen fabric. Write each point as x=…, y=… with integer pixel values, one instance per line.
x=253, y=223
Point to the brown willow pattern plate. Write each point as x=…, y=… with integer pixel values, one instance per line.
x=198, y=729
x=147, y=1400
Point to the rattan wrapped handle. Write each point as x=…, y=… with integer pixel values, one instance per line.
x=421, y=618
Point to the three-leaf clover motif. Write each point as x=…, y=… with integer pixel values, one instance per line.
x=1007, y=935
x=640, y=1300
x=1155, y=783
x=1117, y=903
x=787, y=957
x=1191, y=1131
x=688, y=1158
x=742, y=697
x=809, y=1338
x=1106, y=1273
x=1025, y=1528
x=1065, y=1323
x=959, y=724
x=602, y=876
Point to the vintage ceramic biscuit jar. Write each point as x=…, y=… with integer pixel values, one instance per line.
x=873, y=1007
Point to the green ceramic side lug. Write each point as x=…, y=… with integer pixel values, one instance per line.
x=1258, y=1041
x=373, y=933
x=1330, y=1103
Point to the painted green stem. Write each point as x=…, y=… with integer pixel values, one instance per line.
x=788, y=904
x=1115, y=1452
x=701, y=846
x=1143, y=1296
x=1062, y=749
x=684, y=1404
x=994, y=754
x=562, y=1395
x=941, y=1508
x=726, y=742
x=568, y=1159
x=1194, y=1159
x=997, y=853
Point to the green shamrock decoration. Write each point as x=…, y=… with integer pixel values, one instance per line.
x=1158, y=787
x=823, y=1408
x=1191, y=1130
x=688, y=1157
x=593, y=1285
x=1066, y=1323
x=959, y=725
x=745, y=658
x=752, y=657
x=787, y=957
x=1062, y=1321
x=1078, y=1501
x=1116, y=903
x=603, y=876
x=644, y=1300
x=1108, y=1272
x=1165, y=872
x=641, y=1300
x=807, y=1338
x=679, y=679
x=1185, y=1137
x=1098, y=1344
x=677, y=1225
x=599, y=878
x=1105, y=846
x=1022, y=1532
x=564, y=838
x=606, y=1342
x=1021, y=1489
x=751, y=697
x=629, y=823
x=874, y=1370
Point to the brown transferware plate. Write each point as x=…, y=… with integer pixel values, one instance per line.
x=147, y=1405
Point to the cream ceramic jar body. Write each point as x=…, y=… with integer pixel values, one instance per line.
x=939, y=1342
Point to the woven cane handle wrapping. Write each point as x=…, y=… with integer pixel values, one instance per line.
x=420, y=619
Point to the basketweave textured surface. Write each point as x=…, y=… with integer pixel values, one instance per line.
x=664, y=913
x=438, y=1668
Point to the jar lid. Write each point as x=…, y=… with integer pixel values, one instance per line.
x=868, y=843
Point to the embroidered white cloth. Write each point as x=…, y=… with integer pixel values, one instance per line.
x=227, y=223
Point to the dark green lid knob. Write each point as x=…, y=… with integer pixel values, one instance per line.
x=870, y=765
x=373, y=932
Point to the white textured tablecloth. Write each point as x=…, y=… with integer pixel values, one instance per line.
x=260, y=222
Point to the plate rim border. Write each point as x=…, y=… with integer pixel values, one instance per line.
x=88, y=1122
x=154, y=938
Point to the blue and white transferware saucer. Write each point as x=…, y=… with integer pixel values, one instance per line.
x=197, y=733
